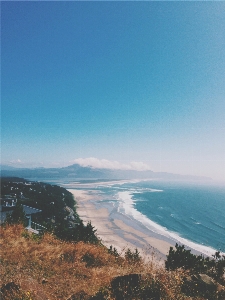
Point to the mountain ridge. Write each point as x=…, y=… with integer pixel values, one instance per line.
x=77, y=171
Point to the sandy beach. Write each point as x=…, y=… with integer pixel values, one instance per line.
x=117, y=229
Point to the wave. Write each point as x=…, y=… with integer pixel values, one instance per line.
x=127, y=206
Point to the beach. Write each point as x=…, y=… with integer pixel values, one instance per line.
x=152, y=216
x=119, y=230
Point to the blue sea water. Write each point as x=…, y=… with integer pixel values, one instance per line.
x=192, y=214
x=188, y=212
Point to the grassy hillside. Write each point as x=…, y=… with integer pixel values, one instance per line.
x=44, y=267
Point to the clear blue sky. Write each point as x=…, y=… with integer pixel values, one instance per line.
x=122, y=81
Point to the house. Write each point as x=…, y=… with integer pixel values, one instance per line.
x=8, y=201
x=7, y=206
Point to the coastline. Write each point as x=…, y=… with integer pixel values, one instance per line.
x=119, y=230
x=119, y=224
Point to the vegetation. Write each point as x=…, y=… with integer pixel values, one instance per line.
x=18, y=216
x=202, y=272
x=182, y=258
x=57, y=205
x=51, y=199
x=132, y=257
x=45, y=267
x=69, y=262
x=79, y=233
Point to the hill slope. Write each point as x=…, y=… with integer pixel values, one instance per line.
x=34, y=267
x=78, y=172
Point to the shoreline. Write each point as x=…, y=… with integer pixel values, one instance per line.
x=119, y=224
x=119, y=230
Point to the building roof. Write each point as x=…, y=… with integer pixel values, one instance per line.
x=30, y=210
x=27, y=209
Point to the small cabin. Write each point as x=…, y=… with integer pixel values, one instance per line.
x=7, y=207
x=32, y=226
x=7, y=202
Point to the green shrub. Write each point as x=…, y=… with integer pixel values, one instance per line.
x=91, y=260
x=102, y=294
x=81, y=232
x=132, y=256
x=113, y=251
x=150, y=291
x=17, y=216
x=182, y=258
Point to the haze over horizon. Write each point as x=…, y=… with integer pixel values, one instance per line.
x=121, y=84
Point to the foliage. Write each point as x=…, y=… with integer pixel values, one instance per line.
x=132, y=257
x=182, y=258
x=91, y=260
x=12, y=291
x=102, y=294
x=17, y=216
x=32, y=236
x=79, y=233
x=193, y=287
x=130, y=286
x=54, y=201
x=113, y=251
x=151, y=290
x=56, y=269
x=76, y=262
x=218, y=266
x=51, y=199
x=56, y=204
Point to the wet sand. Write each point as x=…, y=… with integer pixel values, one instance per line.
x=119, y=230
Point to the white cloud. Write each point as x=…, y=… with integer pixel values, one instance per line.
x=17, y=161
x=139, y=166
x=107, y=164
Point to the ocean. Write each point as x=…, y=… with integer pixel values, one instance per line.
x=189, y=213
x=192, y=214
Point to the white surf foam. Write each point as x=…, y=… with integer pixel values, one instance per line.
x=126, y=206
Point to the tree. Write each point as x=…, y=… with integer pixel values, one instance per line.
x=17, y=216
x=132, y=256
x=81, y=232
x=182, y=258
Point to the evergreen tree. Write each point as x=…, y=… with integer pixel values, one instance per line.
x=17, y=216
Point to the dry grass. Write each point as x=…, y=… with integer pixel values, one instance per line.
x=52, y=269
x=59, y=264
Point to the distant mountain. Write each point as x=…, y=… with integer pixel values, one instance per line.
x=5, y=167
x=78, y=172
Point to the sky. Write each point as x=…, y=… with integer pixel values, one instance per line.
x=137, y=85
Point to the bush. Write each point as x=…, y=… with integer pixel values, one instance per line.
x=113, y=251
x=132, y=256
x=102, y=294
x=182, y=258
x=128, y=287
x=91, y=260
x=218, y=266
x=151, y=291
x=17, y=216
x=81, y=232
